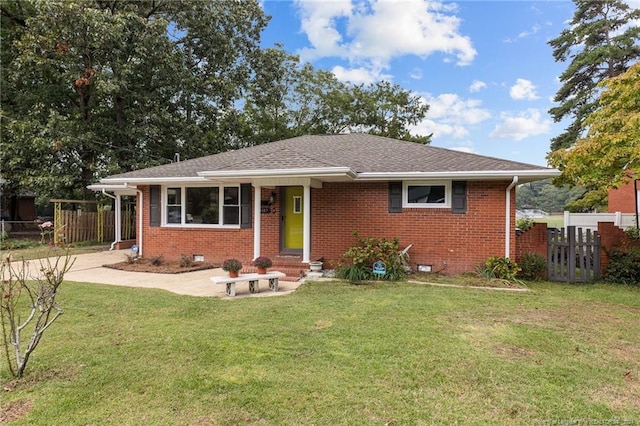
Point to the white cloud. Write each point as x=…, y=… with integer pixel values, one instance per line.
x=525, y=124
x=357, y=75
x=416, y=74
x=523, y=90
x=376, y=31
x=450, y=115
x=530, y=32
x=477, y=85
x=466, y=149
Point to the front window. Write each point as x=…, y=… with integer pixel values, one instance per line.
x=432, y=194
x=202, y=205
x=174, y=205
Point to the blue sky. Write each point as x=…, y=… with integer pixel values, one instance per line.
x=484, y=67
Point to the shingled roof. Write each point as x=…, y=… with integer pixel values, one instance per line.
x=363, y=155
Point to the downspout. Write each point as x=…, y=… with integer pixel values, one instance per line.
x=140, y=213
x=117, y=237
x=635, y=186
x=507, y=221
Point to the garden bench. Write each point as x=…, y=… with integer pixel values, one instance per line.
x=252, y=279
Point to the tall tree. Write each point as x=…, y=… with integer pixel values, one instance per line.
x=609, y=154
x=93, y=87
x=290, y=99
x=602, y=42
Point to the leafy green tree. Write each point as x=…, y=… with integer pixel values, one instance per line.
x=289, y=99
x=91, y=88
x=602, y=42
x=546, y=196
x=609, y=154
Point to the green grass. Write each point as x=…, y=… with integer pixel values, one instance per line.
x=551, y=221
x=334, y=353
x=38, y=251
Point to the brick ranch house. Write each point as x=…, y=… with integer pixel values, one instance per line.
x=301, y=199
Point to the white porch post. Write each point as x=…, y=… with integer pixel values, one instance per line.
x=256, y=220
x=118, y=218
x=306, y=224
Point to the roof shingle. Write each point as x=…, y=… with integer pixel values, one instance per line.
x=360, y=152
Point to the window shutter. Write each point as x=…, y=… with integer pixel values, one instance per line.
x=458, y=197
x=245, y=205
x=395, y=197
x=154, y=205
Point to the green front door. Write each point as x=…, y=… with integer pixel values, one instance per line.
x=292, y=217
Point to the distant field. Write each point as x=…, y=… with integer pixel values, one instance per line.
x=551, y=221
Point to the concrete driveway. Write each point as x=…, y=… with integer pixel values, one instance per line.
x=88, y=268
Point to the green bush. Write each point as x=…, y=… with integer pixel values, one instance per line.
x=358, y=261
x=534, y=267
x=524, y=223
x=633, y=233
x=623, y=266
x=499, y=267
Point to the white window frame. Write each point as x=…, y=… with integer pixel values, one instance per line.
x=447, y=195
x=183, y=207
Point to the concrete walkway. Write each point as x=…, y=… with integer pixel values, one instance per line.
x=88, y=268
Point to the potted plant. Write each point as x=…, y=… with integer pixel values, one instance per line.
x=262, y=263
x=232, y=266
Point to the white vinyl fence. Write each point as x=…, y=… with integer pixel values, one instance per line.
x=590, y=220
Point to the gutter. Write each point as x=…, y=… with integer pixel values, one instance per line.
x=635, y=186
x=507, y=218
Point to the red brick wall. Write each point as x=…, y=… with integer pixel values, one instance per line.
x=610, y=237
x=623, y=199
x=215, y=244
x=459, y=241
x=532, y=241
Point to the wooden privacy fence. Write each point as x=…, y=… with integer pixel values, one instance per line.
x=83, y=226
x=76, y=226
x=573, y=255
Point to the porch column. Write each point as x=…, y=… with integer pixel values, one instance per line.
x=306, y=224
x=118, y=218
x=256, y=219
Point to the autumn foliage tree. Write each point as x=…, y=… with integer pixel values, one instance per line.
x=609, y=153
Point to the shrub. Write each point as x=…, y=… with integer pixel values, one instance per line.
x=231, y=265
x=157, y=260
x=623, y=266
x=359, y=259
x=523, y=223
x=499, y=267
x=262, y=262
x=534, y=267
x=633, y=233
x=185, y=261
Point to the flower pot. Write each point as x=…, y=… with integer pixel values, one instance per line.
x=233, y=274
x=315, y=266
x=262, y=270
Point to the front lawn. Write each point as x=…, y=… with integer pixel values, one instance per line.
x=334, y=353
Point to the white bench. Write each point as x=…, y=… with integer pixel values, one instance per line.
x=252, y=279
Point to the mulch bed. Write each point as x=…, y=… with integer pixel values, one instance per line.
x=163, y=267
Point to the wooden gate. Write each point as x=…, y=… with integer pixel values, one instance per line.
x=573, y=255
